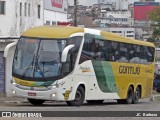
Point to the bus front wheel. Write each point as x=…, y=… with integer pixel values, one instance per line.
x=35, y=101
x=79, y=97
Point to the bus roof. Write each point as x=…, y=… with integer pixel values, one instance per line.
x=52, y=31
x=67, y=31
x=115, y=37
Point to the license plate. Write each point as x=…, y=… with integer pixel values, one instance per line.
x=31, y=94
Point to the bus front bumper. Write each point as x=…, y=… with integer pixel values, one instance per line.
x=53, y=94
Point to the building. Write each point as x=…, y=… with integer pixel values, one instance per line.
x=16, y=16
x=114, y=4
x=118, y=18
x=55, y=11
x=128, y=32
x=141, y=9
x=141, y=22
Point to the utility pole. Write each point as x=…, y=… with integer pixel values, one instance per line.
x=75, y=13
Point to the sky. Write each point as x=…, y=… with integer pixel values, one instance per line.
x=91, y=2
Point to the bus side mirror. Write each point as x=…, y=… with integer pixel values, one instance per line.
x=6, y=50
x=65, y=52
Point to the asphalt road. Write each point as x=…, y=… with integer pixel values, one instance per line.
x=108, y=105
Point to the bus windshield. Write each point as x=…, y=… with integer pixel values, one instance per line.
x=35, y=58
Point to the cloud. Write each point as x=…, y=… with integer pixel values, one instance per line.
x=91, y=2
x=83, y=2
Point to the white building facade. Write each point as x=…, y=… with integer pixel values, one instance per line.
x=114, y=13
x=16, y=16
x=115, y=17
x=55, y=11
x=114, y=4
x=122, y=31
x=20, y=15
x=126, y=32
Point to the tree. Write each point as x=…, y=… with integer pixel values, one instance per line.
x=154, y=17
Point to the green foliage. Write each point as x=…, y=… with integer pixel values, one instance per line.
x=154, y=16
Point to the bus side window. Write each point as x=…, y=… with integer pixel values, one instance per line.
x=151, y=52
x=74, y=51
x=135, y=54
x=105, y=49
x=114, y=53
x=144, y=55
x=88, y=50
x=123, y=52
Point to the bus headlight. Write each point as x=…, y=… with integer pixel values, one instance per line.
x=53, y=95
x=13, y=82
x=14, y=92
x=56, y=85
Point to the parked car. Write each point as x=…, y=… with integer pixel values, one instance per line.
x=156, y=83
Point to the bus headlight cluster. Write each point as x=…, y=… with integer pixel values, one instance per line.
x=56, y=85
x=53, y=95
x=13, y=82
x=14, y=92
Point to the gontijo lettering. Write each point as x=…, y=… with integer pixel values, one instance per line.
x=129, y=70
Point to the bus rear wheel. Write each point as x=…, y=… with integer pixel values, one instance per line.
x=130, y=95
x=95, y=101
x=79, y=97
x=136, y=96
x=35, y=101
x=129, y=98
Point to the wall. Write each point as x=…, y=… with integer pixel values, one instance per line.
x=12, y=24
x=53, y=16
x=55, y=11
x=8, y=71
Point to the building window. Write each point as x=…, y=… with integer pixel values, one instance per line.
x=47, y=23
x=20, y=11
x=39, y=11
x=25, y=9
x=130, y=31
x=130, y=35
x=29, y=9
x=2, y=7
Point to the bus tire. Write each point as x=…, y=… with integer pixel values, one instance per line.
x=95, y=101
x=136, y=96
x=79, y=97
x=130, y=95
x=35, y=101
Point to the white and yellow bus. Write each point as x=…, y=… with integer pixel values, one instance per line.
x=72, y=64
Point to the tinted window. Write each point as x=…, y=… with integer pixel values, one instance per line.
x=135, y=53
x=123, y=52
x=144, y=55
x=106, y=50
x=89, y=48
x=151, y=52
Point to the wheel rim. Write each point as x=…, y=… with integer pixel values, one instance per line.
x=78, y=96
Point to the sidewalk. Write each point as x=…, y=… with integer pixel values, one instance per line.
x=10, y=99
